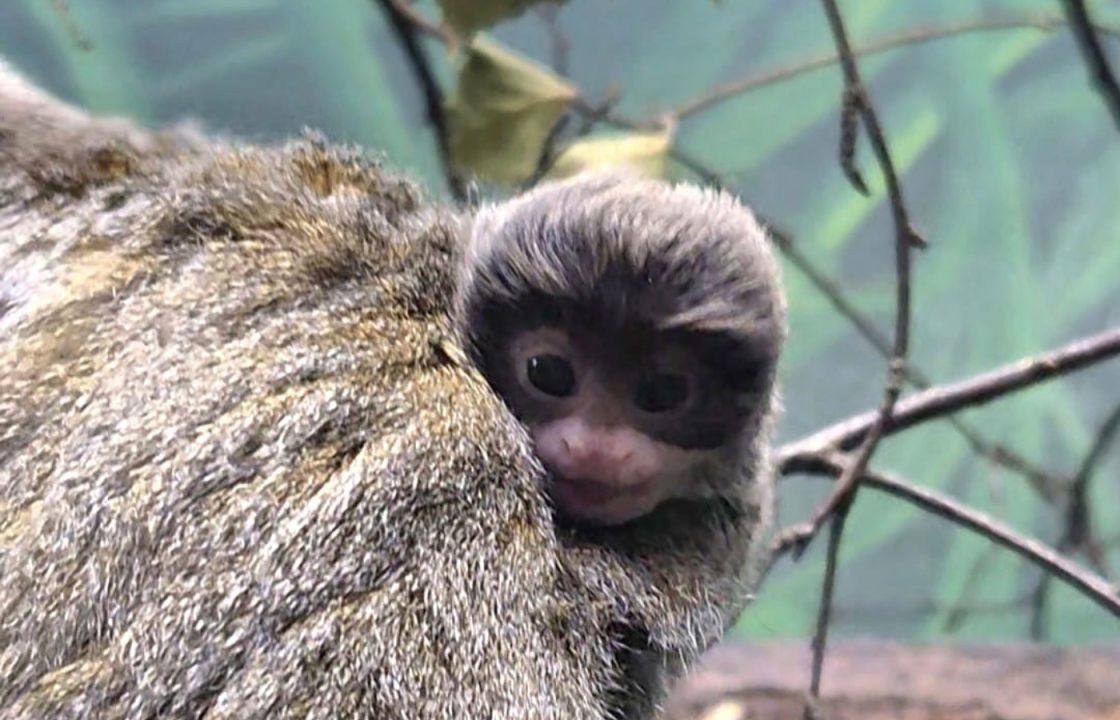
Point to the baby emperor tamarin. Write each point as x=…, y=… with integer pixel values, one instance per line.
x=634, y=327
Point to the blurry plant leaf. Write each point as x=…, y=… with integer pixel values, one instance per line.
x=644, y=152
x=501, y=112
x=469, y=16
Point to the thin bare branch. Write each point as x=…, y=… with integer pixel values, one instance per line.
x=837, y=506
x=548, y=155
x=819, y=642
x=1045, y=483
x=1078, y=519
x=849, y=140
x=425, y=25
x=1103, y=77
x=916, y=36
x=1077, y=535
x=942, y=400
x=709, y=176
x=958, y=612
x=1084, y=581
x=73, y=29
x=835, y=295
x=407, y=25
x=1092, y=586
x=905, y=238
x=603, y=111
x=891, y=608
x=1039, y=627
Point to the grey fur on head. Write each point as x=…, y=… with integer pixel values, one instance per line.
x=627, y=251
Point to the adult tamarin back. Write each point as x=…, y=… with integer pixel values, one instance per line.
x=246, y=471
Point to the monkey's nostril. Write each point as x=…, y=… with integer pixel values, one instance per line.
x=576, y=447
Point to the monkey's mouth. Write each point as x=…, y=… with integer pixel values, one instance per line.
x=601, y=502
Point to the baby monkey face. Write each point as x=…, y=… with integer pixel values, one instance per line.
x=621, y=423
x=633, y=327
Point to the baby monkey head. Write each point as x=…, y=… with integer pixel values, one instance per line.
x=633, y=326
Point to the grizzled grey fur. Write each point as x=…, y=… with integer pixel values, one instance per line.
x=244, y=472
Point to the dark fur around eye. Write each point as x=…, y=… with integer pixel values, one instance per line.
x=740, y=365
x=661, y=392
x=727, y=390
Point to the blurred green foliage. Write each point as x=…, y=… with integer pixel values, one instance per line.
x=1010, y=164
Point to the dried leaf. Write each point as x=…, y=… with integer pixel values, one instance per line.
x=502, y=110
x=469, y=16
x=644, y=152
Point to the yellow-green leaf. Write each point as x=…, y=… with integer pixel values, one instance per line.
x=644, y=152
x=468, y=16
x=501, y=112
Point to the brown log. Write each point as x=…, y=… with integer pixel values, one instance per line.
x=880, y=680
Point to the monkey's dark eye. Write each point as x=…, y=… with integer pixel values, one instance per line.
x=551, y=374
x=661, y=392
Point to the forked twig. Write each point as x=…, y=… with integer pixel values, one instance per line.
x=942, y=400
x=1092, y=586
x=1077, y=535
x=839, y=502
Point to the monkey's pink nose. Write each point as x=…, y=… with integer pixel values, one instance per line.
x=605, y=475
x=601, y=459
x=607, y=455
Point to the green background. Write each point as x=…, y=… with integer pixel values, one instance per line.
x=1011, y=166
